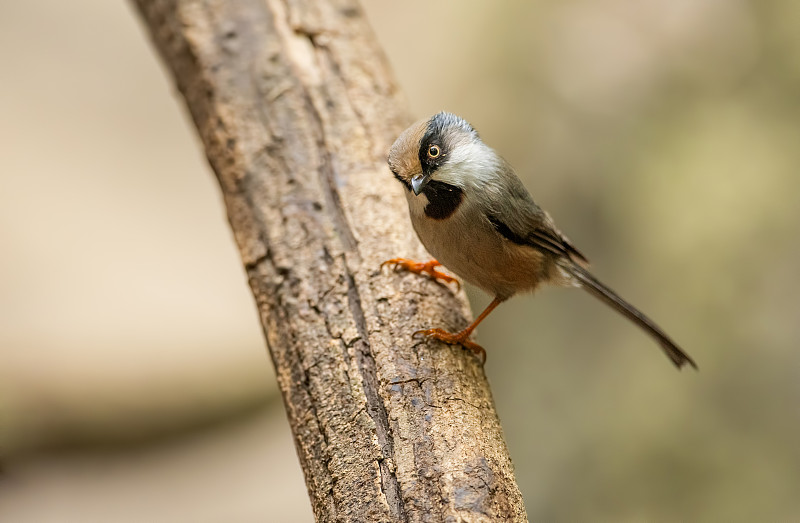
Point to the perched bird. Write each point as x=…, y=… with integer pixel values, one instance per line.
x=474, y=215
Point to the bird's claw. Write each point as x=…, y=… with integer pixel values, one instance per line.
x=458, y=338
x=428, y=267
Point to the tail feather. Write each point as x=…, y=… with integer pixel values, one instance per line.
x=606, y=295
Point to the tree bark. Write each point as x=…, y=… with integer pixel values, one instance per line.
x=296, y=108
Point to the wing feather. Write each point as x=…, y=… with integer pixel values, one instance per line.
x=520, y=220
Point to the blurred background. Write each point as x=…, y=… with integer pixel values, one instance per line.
x=662, y=135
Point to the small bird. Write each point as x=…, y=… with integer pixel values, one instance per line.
x=474, y=215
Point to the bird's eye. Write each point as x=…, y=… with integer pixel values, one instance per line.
x=434, y=151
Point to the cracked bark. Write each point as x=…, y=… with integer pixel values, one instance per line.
x=296, y=108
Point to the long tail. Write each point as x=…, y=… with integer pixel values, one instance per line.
x=606, y=295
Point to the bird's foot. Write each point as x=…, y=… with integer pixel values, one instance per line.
x=428, y=267
x=458, y=338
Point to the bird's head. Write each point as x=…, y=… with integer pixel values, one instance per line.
x=442, y=148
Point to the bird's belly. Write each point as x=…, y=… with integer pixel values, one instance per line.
x=474, y=251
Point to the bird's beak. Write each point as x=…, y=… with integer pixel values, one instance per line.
x=419, y=182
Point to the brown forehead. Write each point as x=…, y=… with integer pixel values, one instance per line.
x=404, y=153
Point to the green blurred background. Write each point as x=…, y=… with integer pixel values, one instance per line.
x=662, y=135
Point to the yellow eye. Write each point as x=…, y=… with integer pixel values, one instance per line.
x=434, y=151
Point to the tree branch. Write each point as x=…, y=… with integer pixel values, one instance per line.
x=296, y=109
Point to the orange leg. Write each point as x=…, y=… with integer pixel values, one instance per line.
x=420, y=267
x=461, y=338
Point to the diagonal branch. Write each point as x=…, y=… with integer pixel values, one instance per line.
x=296, y=108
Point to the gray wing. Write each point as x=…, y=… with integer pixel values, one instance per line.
x=520, y=220
x=517, y=217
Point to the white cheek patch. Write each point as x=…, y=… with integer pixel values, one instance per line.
x=471, y=163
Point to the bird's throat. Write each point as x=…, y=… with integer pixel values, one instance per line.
x=443, y=199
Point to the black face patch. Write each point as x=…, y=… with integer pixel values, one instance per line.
x=443, y=199
x=428, y=162
x=435, y=135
